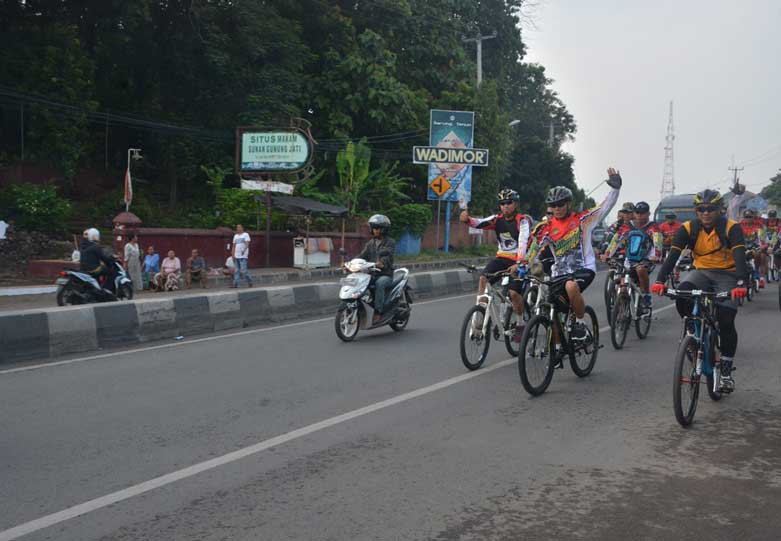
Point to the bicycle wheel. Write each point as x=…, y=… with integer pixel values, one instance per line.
x=686, y=384
x=609, y=294
x=511, y=320
x=621, y=320
x=643, y=323
x=474, y=343
x=535, y=363
x=583, y=357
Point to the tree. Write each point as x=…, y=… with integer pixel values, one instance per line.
x=772, y=192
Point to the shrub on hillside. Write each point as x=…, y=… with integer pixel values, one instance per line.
x=35, y=208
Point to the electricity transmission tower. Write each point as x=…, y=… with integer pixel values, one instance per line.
x=668, y=178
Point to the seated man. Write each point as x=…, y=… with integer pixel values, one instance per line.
x=170, y=271
x=380, y=250
x=196, y=269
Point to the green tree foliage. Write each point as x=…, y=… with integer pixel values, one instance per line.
x=198, y=68
x=35, y=208
x=772, y=192
x=412, y=217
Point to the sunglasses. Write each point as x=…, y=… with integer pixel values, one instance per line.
x=558, y=204
x=506, y=202
x=707, y=208
x=549, y=213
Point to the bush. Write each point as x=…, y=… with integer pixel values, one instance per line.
x=413, y=216
x=35, y=208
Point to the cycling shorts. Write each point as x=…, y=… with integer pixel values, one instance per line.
x=497, y=265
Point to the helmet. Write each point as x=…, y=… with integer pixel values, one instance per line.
x=628, y=207
x=748, y=213
x=93, y=234
x=642, y=206
x=708, y=197
x=670, y=216
x=772, y=214
x=558, y=194
x=508, y=193
x=379, y=221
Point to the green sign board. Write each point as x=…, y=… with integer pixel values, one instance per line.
x=270, y=151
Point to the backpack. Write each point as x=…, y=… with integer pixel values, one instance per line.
x=721, y=230
x=635, y=245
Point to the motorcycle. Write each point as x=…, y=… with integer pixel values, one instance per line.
x=80, y=288
x=357, y=295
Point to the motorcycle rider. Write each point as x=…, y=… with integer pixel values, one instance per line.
x=719, y=251
x=512, y=234
x=380, y=249
x=94, y=261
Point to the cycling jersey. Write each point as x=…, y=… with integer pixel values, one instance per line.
x=668, y=230
x=753, y=231
x=570, y=238
x=512, y=235
x=709, y=251
x=652, y=246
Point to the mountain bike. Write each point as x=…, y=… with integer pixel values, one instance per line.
x=752, y=284
x=698, y=354
x=627, y=307
x=547, y=338
x=480, y=323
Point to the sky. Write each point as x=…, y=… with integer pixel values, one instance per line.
x=617, y=64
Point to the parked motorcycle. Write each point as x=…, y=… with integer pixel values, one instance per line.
x=81, y=288
x=357, y=295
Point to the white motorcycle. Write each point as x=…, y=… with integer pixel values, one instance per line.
x=357, y=295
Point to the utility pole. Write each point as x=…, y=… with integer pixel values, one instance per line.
x=734, y=171
x=479, y=40
x=668, y=177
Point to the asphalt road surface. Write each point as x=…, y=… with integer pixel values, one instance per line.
x=287, y=433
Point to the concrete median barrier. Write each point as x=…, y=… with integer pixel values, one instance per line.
x=27, y=335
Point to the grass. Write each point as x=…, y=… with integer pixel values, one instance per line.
x=460, y=253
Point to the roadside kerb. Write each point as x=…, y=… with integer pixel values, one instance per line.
x=55, y=332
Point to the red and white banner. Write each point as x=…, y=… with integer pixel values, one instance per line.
x=128, y=188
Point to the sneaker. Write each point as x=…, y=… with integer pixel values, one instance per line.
x=761, y=283
x=647, y=300
x=727, y=384
x=579, y=331
x=376, y=318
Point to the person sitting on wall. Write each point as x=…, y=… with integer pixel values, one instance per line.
x=170, y=272
x=151, y=267
x=196, y=269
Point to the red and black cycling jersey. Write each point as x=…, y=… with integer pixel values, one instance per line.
x=512, y=234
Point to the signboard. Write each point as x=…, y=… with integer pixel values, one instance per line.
x=450, y=131
x=477, y=157
x=440, y=185
x=284, y=150
x=267, y=186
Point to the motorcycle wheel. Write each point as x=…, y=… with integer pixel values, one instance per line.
x=345, y=329
x=398, y=325
x=64, y=297
x=126, y=292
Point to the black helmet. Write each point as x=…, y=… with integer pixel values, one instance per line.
x=670, y=216
x=558, y=194
x=708, y=197
x=628, y=207
x=772, y=214
x=642, y=206
x=748, y=213
x=379, y=221
x=508, y=193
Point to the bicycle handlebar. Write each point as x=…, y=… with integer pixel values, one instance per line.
x=686, y=293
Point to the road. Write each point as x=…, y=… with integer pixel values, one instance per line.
x=295, y=435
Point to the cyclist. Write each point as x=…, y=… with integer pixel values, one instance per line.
x=719, y=251
x=512, y=234
x=624, y=215
x=642, y=244
x=568, y=234
x=754, y=232
x=546, y=256
x=668, y=229
x=773, y=234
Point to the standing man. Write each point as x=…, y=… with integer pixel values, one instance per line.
x=240, y=253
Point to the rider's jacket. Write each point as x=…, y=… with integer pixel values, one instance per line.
x=570, y=238
x=652, y=246
x=380, y=250
x=773, y=230
x=753, y=231
x=512, y=234
x=610, y=232
x=709, y=252
x=668, y=231
x=92, y=258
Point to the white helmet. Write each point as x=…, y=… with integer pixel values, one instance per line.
x=93, y=234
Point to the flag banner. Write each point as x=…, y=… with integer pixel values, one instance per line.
x=128, y=188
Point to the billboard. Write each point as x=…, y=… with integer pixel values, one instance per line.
x=450, y=130
x=282, y=150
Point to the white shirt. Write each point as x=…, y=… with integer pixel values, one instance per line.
x=241, y=246
x=3, y=228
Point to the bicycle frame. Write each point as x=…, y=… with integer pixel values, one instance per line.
x=627, y=285
x=703, y=320
x=496, y=305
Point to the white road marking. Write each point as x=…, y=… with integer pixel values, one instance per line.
x=158, y=482
x=195, y=340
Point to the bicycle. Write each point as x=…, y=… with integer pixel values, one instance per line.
x=627, y=308
x=477, y=329
x=551, y=325
x=615, y=264
x=698, y=354
x=752, y=284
